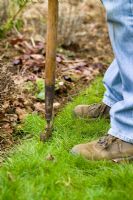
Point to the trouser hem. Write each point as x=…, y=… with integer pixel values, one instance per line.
x=118, y=134
x=109, y=102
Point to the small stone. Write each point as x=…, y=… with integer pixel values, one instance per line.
x=56, y=105
x=61, y=83
x=50, y=157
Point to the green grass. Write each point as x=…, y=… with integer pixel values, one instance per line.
x=28, y=175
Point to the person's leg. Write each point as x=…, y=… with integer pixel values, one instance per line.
x=113, y=84
x=119, y=141
x=120, y=21
x=113, y=94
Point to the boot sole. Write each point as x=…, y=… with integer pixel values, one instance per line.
x=116, y=160
x=123, y=160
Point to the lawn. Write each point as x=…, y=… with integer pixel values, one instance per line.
x=30, y=173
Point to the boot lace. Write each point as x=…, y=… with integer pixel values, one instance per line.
x=107, y=141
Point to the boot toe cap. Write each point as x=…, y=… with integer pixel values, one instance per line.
x=77, y=111
x=76, y=150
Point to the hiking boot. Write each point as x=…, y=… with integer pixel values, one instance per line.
x=92, y=111
x=106, y=148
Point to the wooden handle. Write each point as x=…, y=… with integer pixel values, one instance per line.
x=51, y=42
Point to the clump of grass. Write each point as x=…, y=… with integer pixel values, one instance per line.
x=37, y=88
x=48, y=171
